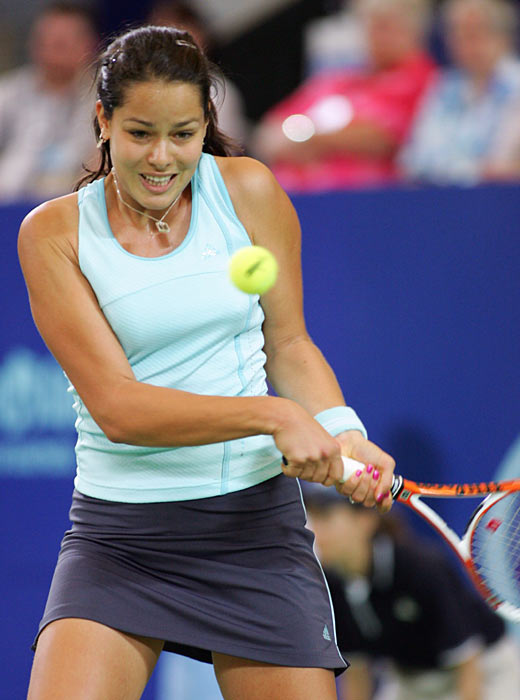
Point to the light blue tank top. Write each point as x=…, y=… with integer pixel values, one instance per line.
x=183, y=325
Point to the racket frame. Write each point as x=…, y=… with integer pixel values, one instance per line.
x=410, y=493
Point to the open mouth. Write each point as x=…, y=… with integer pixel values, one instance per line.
x=157, y=183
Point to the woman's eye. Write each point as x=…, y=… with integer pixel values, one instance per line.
x=183, y=135
x=139, y=134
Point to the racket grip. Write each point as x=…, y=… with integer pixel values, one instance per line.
x=350, y=467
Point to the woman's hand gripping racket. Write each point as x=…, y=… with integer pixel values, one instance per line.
x=490, y=546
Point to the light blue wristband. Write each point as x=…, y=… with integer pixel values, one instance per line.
x=336, y=420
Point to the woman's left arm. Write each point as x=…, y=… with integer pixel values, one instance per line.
x=295, y=366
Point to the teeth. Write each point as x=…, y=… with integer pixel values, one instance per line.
x=153, y=180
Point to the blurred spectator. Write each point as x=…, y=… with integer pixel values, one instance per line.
x=458, y=135
x=398, y=600
x=45, y=128
x=229, y=104
x=342, y=128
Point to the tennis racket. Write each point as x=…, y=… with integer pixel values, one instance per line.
x=490, y=545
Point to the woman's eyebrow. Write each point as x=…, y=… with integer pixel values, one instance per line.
x=150, y=124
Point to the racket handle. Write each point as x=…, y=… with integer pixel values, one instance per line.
x=351, y=466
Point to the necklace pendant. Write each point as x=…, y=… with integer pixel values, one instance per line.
x=162, y=227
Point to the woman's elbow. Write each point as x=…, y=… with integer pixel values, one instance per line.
x=114, y=430
x=113, y=423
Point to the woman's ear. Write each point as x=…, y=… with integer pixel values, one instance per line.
x=103, y=121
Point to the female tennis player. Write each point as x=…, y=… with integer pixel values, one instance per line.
x=186, y=533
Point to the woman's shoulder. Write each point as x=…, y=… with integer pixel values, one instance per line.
x=243, y=171
x=259, y=201
x=247, y=180
x=53, y=220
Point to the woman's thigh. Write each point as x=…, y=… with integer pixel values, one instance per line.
x=79, y=659
x=241, y=679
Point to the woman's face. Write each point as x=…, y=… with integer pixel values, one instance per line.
x=156, y=139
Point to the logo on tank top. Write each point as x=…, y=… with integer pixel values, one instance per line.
x=209, y=252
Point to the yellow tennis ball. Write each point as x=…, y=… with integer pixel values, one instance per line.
x=253, y=269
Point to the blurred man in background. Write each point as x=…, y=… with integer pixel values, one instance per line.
x=45, y=127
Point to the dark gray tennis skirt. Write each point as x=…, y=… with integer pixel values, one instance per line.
x=234, y=574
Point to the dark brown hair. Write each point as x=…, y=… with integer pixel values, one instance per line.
x=156, y=53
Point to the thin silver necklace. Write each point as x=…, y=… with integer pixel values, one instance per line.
x=160, y=225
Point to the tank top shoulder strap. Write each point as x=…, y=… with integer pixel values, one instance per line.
x=214, y=198
x=90, y=191
x=212, y=184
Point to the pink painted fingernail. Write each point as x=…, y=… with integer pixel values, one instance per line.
x=359, y=472
x=379, y=498
x=369, y=468
x=376, y=475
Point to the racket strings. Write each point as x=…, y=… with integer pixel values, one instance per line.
x=495, y=548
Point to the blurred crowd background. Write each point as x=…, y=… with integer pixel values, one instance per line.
x=331, y=94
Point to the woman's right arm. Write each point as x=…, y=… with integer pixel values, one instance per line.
x=70, y=321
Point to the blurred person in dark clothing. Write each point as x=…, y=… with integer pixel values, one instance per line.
x=400, y=599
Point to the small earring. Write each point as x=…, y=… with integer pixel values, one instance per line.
x=101, y=142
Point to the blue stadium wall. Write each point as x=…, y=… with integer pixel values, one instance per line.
x=412, y=294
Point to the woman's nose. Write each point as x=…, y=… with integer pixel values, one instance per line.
x=161, y=155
